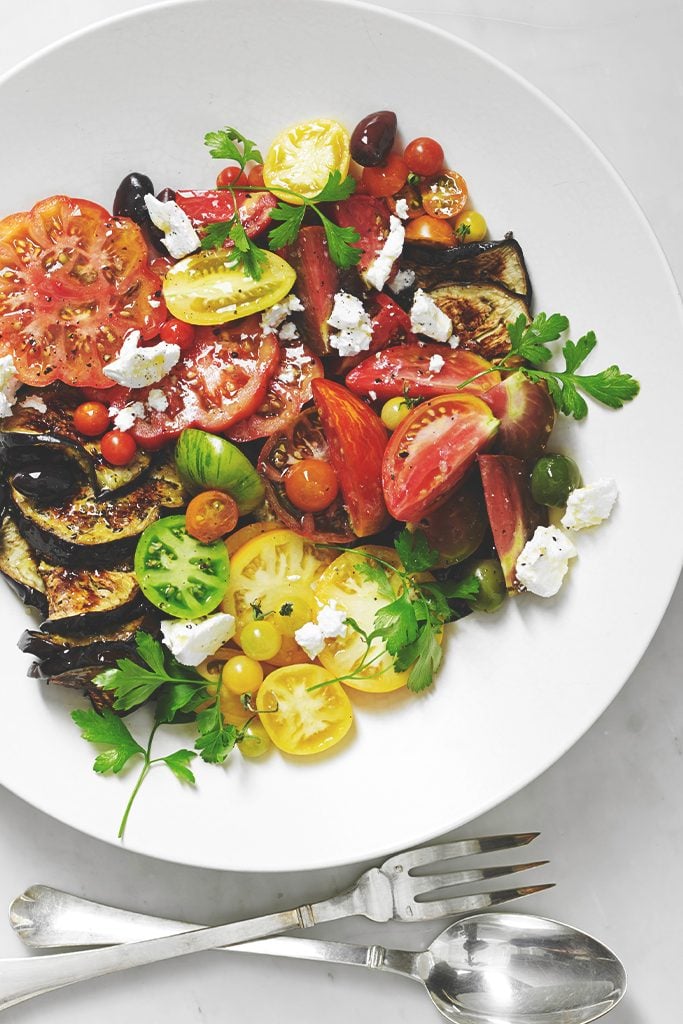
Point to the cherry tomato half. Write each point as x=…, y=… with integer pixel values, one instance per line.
x=211, y=515
x=430, y=229
x=229, y=176
x=311, y=485
x=386, y=179
x=445, y=195
x=118, y=448
x=91, y=418
x=424, y=156
x=177, y=332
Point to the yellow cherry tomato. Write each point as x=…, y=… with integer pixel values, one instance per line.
x=272, y=570
x=471, y=225
x=360, y=598
x=206, y=289
x=301, y=720
x=302, y=158
x=260, y=639
x=394, y=411
x=242, y=674
x=255, y=740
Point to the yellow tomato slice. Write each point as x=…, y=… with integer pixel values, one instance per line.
x=205, y=289
x=300, y=720
x=360, y=598
x=246, y=533
x=302, y=157
x=276, y=568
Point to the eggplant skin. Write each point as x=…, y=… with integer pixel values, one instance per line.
x=86, y=600
x=499, y=262
x=20, y=568
x=480, y=313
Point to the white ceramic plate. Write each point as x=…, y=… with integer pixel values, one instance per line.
x=518, y=688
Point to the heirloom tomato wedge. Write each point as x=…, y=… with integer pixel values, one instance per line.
x=404, y=371
x=74, y=280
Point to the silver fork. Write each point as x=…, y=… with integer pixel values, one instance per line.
x=393, y=891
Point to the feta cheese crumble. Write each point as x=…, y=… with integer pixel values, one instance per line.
x=157, y=400
x=193, y=640
x=402, y=210
x=288, y=332
x=296, y=357
x=139, y=367
x=436, y=363
x=180, y=238
x=544, y=561
x=9, y=385
x=352, y=323
x=590, y=505
x=379, y=270
x=275, y=316
x=126, y=417
x=403, y=279
x=329, y=624
x=426, y=318
x=33, y=402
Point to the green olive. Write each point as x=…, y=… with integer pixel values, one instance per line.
x=553, y=478
x=492, y=591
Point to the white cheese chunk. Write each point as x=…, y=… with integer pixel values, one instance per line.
x=331, y=621
x=139, y=367
x=288, y=332
x=426, y=318
x=402, y=210
x=276, y=315
x=436, y=363
x=193, y=640
x=590, y=505
x=180, y=237
x=126, y=417
x=33, y=402
x=9, y=385
x=544, y=561
x=403, y=279
x=352, y=323
x=310, y=638
x=157, y=400
x=379, y=270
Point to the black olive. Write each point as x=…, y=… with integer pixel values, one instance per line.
x=166, y=195
x=49, y=484
x=129, y=201
x=373, y=138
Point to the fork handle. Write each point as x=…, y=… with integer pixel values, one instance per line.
x=23, y=978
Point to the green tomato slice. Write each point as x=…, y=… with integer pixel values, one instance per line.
x=207, y=288
x=207, y=462
x=179, y=574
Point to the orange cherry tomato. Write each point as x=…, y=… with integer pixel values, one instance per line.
x=424, y=156
x=118, y=448
x=210, y=515
x=430, y=229
x=445, y=195
x=229, y=176
x=311, y=485
x=386, y=179
x=91, y=418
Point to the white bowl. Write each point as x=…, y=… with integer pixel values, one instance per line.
x=518, y=688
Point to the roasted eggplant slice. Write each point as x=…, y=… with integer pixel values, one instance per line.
x=44, y=429
x=49, y=645
x=479, y=313
x=20, y=568
x=86, y=532
x=500, y=262
x=87, y=600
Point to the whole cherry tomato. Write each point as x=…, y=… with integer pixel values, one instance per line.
x=255, y=175
x=386, y=179
x=424, y=156
x=118, y=448
x=91, y=418
x=229, y=176
x=311, y=484
x=177, y=332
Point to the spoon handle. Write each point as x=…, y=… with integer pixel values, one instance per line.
x=47, y=918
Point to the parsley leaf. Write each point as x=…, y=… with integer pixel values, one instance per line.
x=216, y=739
x=340, y=241
x=529, y=340
x=414, y=551
x=244, y=252
x=335, y=189
x=396, y=623
x=424, y=655
x=229, y=144
x=460, y=590
x=179, y=763
x=292, y=218
x=216, y=234
x=109, y=730
x=133, y=684
x=374, y=573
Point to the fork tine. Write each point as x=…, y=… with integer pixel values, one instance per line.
x=433, y=883
x=433, y=909
x=460, y=848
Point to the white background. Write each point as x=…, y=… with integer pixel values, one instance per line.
x=610, y=809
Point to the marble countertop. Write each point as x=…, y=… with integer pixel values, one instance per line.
x=610, y=809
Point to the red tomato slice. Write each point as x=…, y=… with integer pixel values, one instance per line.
x=302, y=438
x=73, y=282
x=222, y=379
x=431, y=450
x=317, y=281
x=370, y=217
x=206, y=206
x=405, y=370
x=287, y=393
x=357, y=439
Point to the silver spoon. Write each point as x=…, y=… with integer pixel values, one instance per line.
x=484, y=969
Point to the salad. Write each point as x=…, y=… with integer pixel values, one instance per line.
x=260, y=442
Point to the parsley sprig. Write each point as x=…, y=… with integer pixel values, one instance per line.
x=530, y=340
x=229, y=144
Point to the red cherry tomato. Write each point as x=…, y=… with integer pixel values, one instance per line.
x=386, y=179
x=229, y=176
x=423, y=156
x=91, y=418
x=118, y=448
x=210, y=515
x=255, y=175
x=177, y=332
x=311, y=485
x=430, y=229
